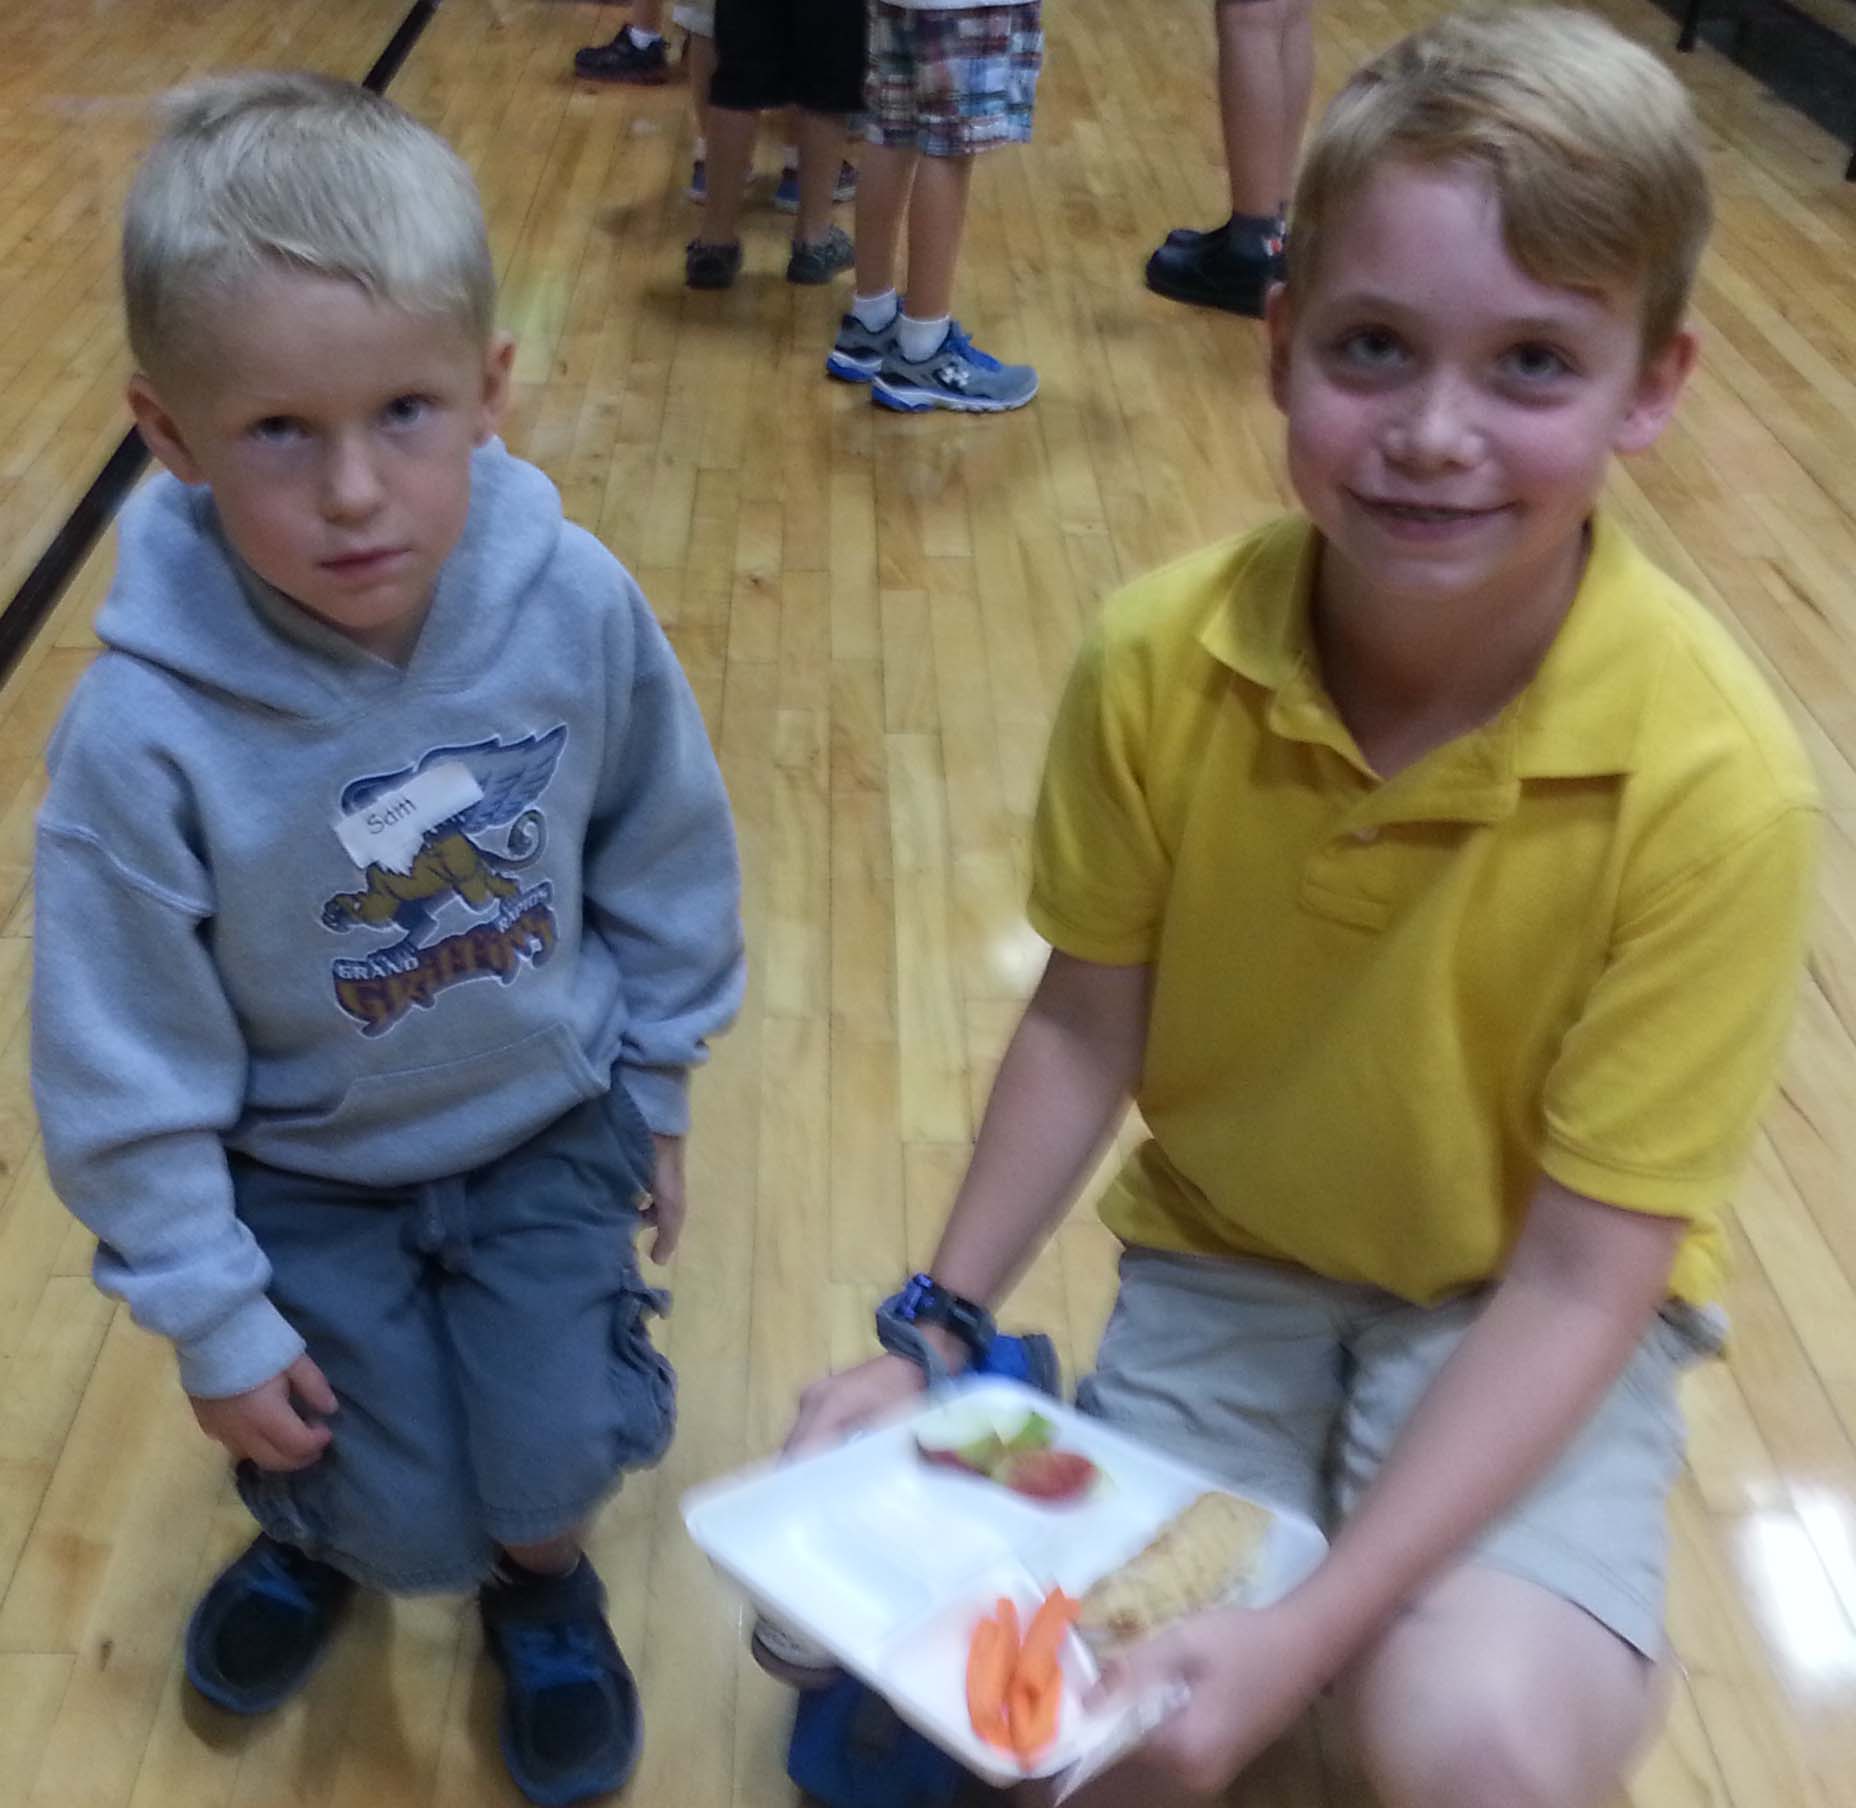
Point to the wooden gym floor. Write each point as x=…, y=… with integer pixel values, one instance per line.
x=877, y=613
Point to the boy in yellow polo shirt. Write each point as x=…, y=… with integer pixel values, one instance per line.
x=1432, y=871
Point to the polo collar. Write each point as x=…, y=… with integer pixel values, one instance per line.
x=1579, y=716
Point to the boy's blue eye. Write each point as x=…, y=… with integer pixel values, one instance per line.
x=275, y=430
x=407, y=410
x=1535, y=363
x=1371, y=348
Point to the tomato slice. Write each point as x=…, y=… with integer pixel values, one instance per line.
x=1053, y=1475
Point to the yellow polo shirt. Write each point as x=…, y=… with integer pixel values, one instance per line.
x=1568, y=941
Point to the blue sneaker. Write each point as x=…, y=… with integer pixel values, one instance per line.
x=263, y=1626
x=786, y=193
x=571, y=1727
x=956, y=375
x=858, y=352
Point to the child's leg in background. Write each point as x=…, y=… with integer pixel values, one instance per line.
x=937, y=225
x=697, y=18
x=821, y=138
x=635, y=54
x=945, y=84
x=886, y=179
x=1265, y=75
x=828, y=85
x=749, y=78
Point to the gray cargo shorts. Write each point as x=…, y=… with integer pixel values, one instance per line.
x=1293, y=1389
x=487, y=1339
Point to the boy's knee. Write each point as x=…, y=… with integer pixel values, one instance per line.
x=1468, y=1758
x=1436, y=1735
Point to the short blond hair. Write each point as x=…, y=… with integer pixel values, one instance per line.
x=1590, y=143
x=305, y=173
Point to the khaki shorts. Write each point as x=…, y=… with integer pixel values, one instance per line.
x=1293, y=1389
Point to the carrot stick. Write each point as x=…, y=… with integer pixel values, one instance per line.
x=1031, y=1712
x=1007, y=1615
x=1044, y=1637
x=990, y=1661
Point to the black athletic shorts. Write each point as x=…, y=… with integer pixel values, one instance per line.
x=777, y=53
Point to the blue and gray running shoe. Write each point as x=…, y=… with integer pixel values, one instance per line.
x=957, y=375
x=859, y=351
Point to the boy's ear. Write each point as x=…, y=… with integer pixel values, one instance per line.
x=161, y=432
x=1659, y=388
x=499, y=358
x=1279, y=318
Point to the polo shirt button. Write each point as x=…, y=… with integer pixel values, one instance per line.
x=1368, y=834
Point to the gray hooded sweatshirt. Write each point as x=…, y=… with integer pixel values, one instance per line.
x=353, y=920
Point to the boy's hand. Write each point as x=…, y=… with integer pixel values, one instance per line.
x=261, y=1425
x=665, y=1212
x=832, y=1409
x=1248, y=1674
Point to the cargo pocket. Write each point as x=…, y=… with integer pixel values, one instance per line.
x=644, y=1383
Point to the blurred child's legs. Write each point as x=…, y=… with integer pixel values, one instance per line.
x=1265, y=76
x=487, y=1340
x=943, y=86
x=1525, y=1675
x=774, y=53
x=697, y=18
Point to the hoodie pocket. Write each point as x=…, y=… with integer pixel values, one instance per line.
x=447, y=1117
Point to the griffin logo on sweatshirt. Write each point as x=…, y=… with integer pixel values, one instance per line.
x=414, y=835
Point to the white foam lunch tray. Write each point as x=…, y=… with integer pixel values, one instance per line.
x=889, y=1563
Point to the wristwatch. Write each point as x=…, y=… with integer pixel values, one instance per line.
x=924, y=1301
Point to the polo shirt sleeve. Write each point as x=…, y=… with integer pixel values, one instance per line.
x=1659, y=1086
x=1099, y=871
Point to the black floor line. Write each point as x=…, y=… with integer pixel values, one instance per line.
x=37, y=596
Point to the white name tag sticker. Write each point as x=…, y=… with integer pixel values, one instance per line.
x=390, y=829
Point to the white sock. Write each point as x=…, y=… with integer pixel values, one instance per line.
x=701, y=152
x=874, y=312
x=644, y=39
x=919, y=339
x=789, y=156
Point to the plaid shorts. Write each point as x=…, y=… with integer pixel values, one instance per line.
x=950, y=81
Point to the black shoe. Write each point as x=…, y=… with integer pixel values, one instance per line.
x=571, y=1726
x=259, y=1630
x=1216, y=271
x=821, y=260
x=624, y=60
x=711, y=266
x=1191, y=235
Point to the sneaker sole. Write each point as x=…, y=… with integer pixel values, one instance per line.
x=585, y=1788
x=1197, y=297
x=848, y=369
x=923, y=401
x=806, y=1678
x=656, y=79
